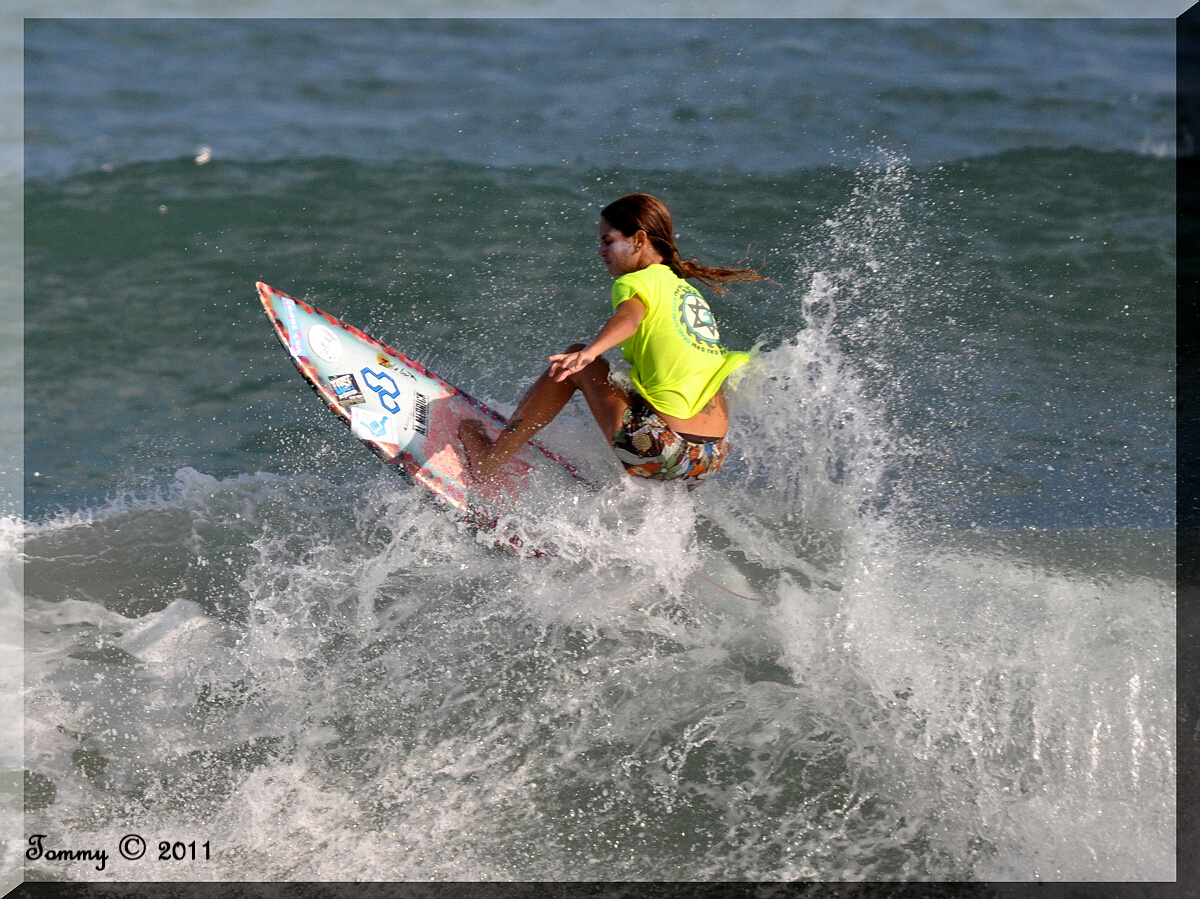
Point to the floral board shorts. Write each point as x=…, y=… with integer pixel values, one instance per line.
x=648, y=448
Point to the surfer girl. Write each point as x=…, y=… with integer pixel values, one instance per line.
x=673, y=426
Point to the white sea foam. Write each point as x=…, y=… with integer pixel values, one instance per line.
x=373, y=683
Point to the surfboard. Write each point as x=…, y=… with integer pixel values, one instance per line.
x=407, y=415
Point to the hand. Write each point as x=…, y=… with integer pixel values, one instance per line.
x=563, y=365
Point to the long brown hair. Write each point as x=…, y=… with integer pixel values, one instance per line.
x=643, y=212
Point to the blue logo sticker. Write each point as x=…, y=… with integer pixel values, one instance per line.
x=377, y=427
x=384, y=385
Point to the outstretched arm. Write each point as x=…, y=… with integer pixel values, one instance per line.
x=620, y=327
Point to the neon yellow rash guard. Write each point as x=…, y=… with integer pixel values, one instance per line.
x=677, y=358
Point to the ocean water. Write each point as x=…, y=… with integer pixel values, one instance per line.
x=952, y=486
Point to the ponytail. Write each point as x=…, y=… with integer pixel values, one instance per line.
x=642, y=212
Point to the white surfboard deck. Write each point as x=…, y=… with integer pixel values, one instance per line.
x=404, y=413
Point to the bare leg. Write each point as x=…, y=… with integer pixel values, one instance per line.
x=543, y=401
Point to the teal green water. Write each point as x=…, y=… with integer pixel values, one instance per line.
x=1012, y=313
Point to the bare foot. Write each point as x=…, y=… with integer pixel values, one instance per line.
x=477, y=448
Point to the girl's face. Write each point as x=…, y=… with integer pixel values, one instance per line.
x=618, y=251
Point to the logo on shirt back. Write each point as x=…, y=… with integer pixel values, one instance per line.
x=697, y=318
